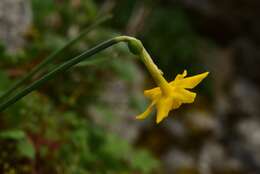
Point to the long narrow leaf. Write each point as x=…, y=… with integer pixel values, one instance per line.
x=50, y=59
x=61, y=68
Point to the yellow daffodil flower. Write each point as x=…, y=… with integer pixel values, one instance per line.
x=168, y=95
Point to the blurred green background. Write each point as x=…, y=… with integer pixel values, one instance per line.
x=83, y=120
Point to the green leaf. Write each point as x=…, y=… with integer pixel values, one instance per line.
x=5, y=82
x=26, y=149
x=115, y=147
x=91, y=62
x=13, y=134
x=144, y=162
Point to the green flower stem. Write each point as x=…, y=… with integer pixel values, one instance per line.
x=155, y=72
x=50, y=58
x=68, y=64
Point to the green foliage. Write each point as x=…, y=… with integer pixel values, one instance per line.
x=24, y=146
x=26, y=149
x=100, y=152
x=5, y=82
x=144, y=162
x=49, y=130
x=12, y=134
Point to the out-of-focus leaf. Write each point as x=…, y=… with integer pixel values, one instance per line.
x=13, y=134
x=144, y=162
x=115, y=148
x=26, y=149
x=125, y=69
x=91, y=62
x=4, y=82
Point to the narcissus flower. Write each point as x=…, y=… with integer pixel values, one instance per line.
x=168, y=95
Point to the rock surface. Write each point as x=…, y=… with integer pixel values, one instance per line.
x=15, y=19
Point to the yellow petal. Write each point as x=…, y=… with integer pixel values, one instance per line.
x=164, y=106
x=176, y=104
x=152, y=93
x=146, y=112
x=189, y=82
x=184, y=96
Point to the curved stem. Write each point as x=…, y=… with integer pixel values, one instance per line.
x=50, y=59
x=62, y=68
x=155, y=72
